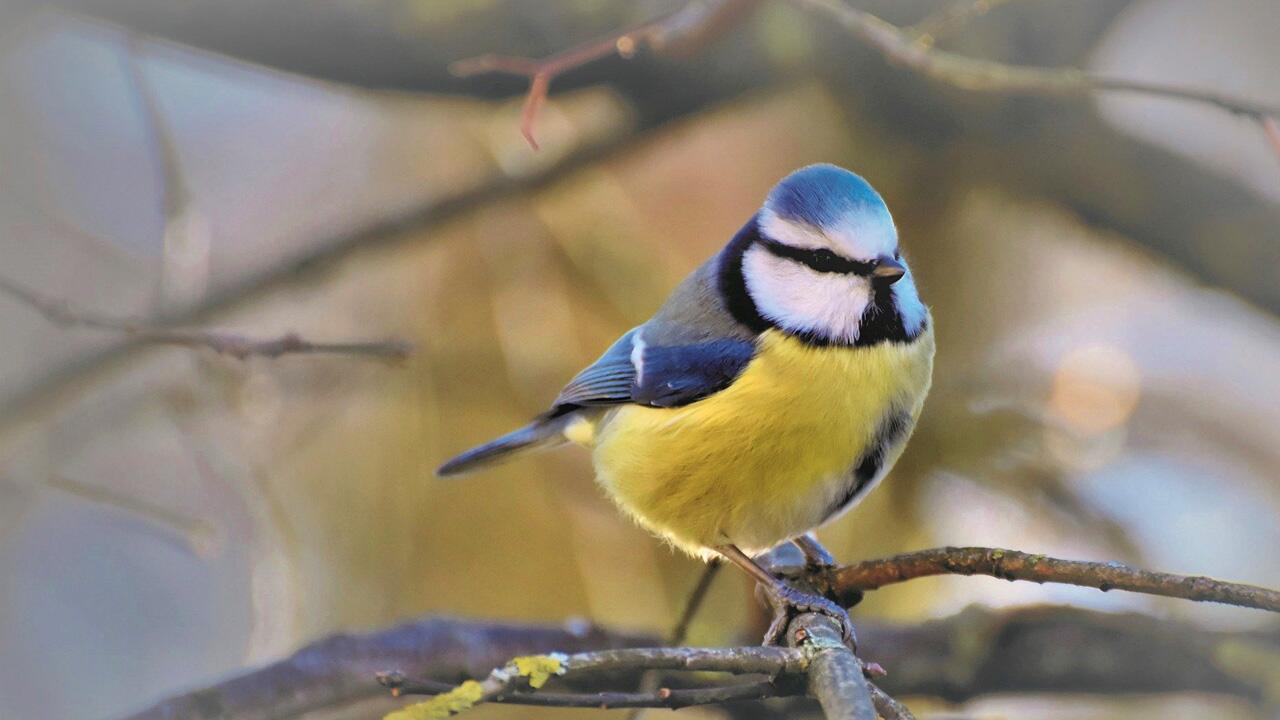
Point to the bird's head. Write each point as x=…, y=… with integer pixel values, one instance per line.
x=824, y=261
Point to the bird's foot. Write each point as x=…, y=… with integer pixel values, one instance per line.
x=817, y=559
x=787, y=603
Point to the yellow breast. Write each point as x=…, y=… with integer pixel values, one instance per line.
x=763, y=460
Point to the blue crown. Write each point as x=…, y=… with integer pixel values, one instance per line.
x=823, y=196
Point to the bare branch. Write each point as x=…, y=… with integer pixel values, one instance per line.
x=955, y=658
x=899, y=47
x=928, y=31
x=1014, y=565
x=670, y=698
x=691, y=24
x=887, y=707
x=341, y=670
x=515, y=681
x=232, y=344
x=836, y=677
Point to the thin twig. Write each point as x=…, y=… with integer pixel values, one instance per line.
x=692, y=605
x=692, y=20
x=517, y=679
x=1014, y=565
x=671, y=698
x=235, y=345
x=901, y=47
x=1272, y=130
x=928, y=31
x=651, y=680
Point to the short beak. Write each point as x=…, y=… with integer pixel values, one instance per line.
x=888, y=270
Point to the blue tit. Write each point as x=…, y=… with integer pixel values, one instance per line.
x=772, y=391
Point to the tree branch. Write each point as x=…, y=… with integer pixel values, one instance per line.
x=970, y=654
x=669, y=698
x=836, y=678
x=915, y=50
x=341, y=670
x=1014, y=565
x=900, y=47
x=232, y=344
x=693, y=23
x=887, y=707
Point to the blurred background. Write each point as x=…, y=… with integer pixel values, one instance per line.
x=1104, y=273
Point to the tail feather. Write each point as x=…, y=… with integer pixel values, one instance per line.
x=537, y=434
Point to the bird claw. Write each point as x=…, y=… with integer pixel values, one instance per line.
x=787, y=603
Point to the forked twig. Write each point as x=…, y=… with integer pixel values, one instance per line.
x=693, y=22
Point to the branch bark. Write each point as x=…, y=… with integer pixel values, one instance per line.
x=835, y=677
x=225, y=343
x=342, y=669
x=973, y=653
x=1014, y=565
x=900, y=47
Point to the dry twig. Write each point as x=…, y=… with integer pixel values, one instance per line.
x=692, y=23
x=232, y=344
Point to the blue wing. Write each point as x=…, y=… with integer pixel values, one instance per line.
x=656, y=375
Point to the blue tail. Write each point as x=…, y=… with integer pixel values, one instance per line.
x=537, y=434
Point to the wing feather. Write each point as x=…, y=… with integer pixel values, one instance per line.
x=633, y=371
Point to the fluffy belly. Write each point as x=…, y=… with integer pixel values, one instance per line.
x=780, y=451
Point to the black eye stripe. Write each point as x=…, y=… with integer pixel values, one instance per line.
x=822, y=260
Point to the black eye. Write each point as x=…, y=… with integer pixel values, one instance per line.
x=826, y=258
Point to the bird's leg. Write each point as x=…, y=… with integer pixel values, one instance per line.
x=816, y=557
x=787, y=601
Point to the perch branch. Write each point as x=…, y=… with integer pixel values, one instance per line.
x=516, y=681
x=232, y=344
x=995, y=651
x=1014, y=565
x=670, y=698
x=690, y=24
x=836, y=678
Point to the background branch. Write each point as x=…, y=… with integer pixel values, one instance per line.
x=226, y=343
x=901, y=47
x=693, y=23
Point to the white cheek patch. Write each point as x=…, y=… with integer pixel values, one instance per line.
x=800, y=299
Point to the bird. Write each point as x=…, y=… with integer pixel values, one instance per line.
x=772, y=391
